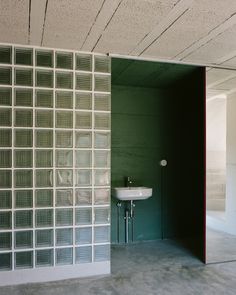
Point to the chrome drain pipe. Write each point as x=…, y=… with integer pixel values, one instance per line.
x=118, y=221
x=127, y=217
x=132, y=205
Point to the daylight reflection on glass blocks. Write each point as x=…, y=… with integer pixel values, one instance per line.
x=54, y=157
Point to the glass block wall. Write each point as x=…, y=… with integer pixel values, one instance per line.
x=54, y=158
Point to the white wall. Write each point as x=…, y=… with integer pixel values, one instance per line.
x=216, y=133
x=231, y=165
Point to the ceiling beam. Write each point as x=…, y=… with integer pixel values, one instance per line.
x=37, y=19
x=100, y=23
x=228, y=23
x=176, y=13
x=172, y=61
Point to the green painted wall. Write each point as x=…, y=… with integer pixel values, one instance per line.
x=149, y=124
x=136, y=151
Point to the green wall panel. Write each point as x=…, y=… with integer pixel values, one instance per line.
x=136, y=151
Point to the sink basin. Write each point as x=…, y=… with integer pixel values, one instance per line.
x=132, y=193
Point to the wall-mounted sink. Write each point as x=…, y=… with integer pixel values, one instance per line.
x=132, y=193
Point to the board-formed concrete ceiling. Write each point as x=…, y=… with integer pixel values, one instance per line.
x=220, y=83
x=193, y=31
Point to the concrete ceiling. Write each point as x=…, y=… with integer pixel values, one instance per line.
x=220, y=83
x=194, y=31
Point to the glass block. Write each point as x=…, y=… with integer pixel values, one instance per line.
x=64, y=119
x=44, y=258
x=44, y=178
x=44, y=198
x=64, y=139
x=83, y=120
x=64, y=217
x=44, y=78
x=44, y=158
x=44, y=218
x=44, y=138
x=83, y=235
x=83, y=177
x=5, y=137
x=44, y=238
x=24, y=259
x=64, y=158
x=64, y=197
x=23, y=219
x=5, y=159
x=102, y=215
x=5, y=54
x=102, y=83
x=64, y=100
x=64, y=60
x=5, y=96
x=5, y=76
x=64, y=236
x=101, y=159
x=83, y=101
x=64, y=256
x=23, y=97
x=102, y=102
x=84, y=81
x=102, y=64
x=102, y=121
x=84, y=62
x=24, y=56
x=83, y=197
x=24, y=77
x=102, y=234
x=5, y=220
x=44, y=118
x=5, y=199
x=101, y=253
x=5, y=179
x=23, y=199
x=83, y=216
x=23, y=118
x=23, y=158
x=23, y=178
x=64, y=177
x=44, y=98
x=83, y=139
x=102, y=177
x=64, y=80
x=5, y=241
x=23, y=138
x=44, y=58
x=101, y=196
x=5, y=117
x=23, y=239
x=83, y=159
x=6, y=261
x=83, y=254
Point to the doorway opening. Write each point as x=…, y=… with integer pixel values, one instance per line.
x=158, y=112
x=220, y=147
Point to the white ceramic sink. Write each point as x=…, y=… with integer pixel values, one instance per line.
x=132, y=193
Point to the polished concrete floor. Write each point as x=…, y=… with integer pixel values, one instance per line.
x=220, y=246
x=161, y=268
